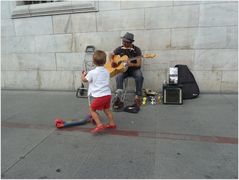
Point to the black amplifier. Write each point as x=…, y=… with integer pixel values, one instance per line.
x=172, y=94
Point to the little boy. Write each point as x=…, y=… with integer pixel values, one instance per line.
x=99, y=93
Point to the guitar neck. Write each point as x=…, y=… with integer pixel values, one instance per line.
x=123, y=59
x=134, y=58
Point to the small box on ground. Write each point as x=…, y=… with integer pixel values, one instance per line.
x=172, y=94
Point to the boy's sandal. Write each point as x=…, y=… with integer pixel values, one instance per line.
x=108, y=126
x=98, y=129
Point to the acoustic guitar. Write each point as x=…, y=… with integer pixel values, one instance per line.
x=121, y=62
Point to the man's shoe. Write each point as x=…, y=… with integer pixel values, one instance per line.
x=118, y=105
x=137, y=101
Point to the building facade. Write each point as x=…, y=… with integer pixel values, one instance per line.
x=43, y=45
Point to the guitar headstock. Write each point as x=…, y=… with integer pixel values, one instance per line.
x=149, y=55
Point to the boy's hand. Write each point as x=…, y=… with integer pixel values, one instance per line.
x=83, y=74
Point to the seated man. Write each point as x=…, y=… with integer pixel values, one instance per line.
x=129, y=49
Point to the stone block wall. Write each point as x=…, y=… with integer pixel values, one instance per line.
x=47, y=52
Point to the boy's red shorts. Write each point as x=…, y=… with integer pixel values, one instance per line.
x=99, y=103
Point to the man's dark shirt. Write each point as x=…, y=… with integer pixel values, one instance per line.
x=132, y=52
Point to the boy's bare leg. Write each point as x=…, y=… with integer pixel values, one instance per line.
x=96, y=117
x=110, y=117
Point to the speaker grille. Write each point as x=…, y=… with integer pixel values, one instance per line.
x=172, y=96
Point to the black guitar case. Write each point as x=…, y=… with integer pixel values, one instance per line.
x=186, y=78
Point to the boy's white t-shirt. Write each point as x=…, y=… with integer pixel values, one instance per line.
x=99, y=81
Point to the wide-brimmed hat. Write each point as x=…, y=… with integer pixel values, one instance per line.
x=129, y=37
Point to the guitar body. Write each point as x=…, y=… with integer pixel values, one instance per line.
x=121, y=60
x=121, y=66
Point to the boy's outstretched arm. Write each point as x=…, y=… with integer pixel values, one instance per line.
x=83, y=76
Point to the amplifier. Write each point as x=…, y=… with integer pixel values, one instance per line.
x=172, y=94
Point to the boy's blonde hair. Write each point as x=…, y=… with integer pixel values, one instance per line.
x=99, y=58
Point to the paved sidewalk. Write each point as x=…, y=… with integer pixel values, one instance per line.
x=198, y=139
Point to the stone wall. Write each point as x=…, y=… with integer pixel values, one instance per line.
x=47, y=52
